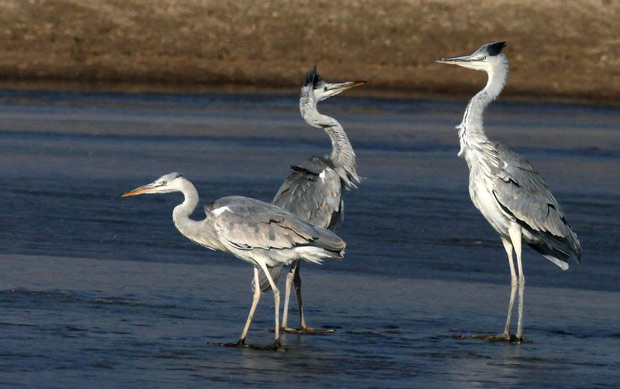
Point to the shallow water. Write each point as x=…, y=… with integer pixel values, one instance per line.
x=101, y=291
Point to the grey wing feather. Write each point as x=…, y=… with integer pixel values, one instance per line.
x=248, y=224
x=315, y=164
x=521, y=192
x=263, y=282
x=313, y=192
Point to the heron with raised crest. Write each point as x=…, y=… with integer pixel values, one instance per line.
x=313, y=190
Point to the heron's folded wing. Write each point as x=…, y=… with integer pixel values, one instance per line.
x=522, y=193
x=247, y=224
x=313, y=192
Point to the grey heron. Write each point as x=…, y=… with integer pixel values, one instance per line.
x=506, y=189
x=313, y=190
x=259, y=233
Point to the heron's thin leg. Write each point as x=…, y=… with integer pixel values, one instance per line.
x=295, y=276
x=287, y=293
x=255, y=300
x=515, y=236
x=297, y=280
x=276, y=300
x=513, y=284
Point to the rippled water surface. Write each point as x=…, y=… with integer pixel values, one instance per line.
x=98, y=291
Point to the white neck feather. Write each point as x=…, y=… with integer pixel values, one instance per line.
x=202, y=231
x=471, y=129
x=342, y=156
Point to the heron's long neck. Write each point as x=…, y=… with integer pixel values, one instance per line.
x=471, y=129
x=200, y=232
x=342, y=155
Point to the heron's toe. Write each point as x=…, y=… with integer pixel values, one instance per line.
x=239, y=344
x=314, y=331
x=308, y=331
x=503, y=337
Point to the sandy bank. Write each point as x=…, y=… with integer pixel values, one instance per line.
x=557, y=49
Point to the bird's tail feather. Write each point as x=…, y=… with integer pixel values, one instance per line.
x=331, y=243
x=563, y=265
x=558, y=250
x=263, y=282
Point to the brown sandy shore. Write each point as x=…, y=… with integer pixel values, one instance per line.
x=559, y=50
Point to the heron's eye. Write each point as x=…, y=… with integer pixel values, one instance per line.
x=325, y=89
x=164, y=182
x=483, y=58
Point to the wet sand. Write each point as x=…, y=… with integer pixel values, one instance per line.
x=95, y=288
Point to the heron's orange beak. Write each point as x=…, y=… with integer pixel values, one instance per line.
x=137, y=191
x=343, y=86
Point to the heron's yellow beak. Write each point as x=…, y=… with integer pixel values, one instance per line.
x=141, y=190
x=343, y=86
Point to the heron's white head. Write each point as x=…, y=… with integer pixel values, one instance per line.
x=168, y=183
x=486, y=58
x=318, y=90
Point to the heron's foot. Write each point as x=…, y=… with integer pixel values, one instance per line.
x=308, y=331
x=275, y=346
x=305, y=331
x=241, y=344
x=503, y=337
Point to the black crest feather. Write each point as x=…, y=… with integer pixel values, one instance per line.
x=495, y=48
x=312, y=77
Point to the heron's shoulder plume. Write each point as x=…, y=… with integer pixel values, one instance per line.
x=312, y=78
x=495, y=48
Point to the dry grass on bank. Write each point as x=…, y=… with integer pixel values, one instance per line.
x=557, y=49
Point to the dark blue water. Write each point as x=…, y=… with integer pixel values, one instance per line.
x=101, y=291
